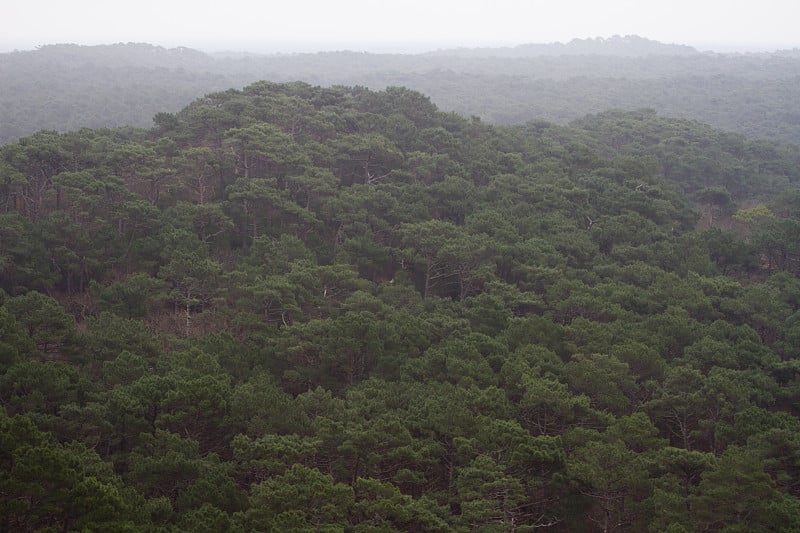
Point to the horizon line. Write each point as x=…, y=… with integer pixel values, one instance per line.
x=403, y=48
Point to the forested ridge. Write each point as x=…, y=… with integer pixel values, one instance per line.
x=67, y=87
x=295, y=308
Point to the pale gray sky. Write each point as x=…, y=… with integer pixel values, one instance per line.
x=395, y=25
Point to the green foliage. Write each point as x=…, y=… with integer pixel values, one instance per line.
x=748, y=507
x=299, y=500
x=49, y=485
x=43, y=319
x=299, y=308
x=15, y=344
x=132, y=297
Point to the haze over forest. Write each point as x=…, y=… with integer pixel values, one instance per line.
x=474, y=289
x=65, y=87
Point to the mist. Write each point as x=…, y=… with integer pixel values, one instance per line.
x=408, y=26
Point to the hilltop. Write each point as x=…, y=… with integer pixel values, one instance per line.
x=292, y=307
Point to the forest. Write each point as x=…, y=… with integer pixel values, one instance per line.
x=68, y=87
x=302, y=308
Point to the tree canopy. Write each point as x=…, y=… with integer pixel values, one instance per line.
x=297, y=308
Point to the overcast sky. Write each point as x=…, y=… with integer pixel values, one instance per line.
x=395, y=25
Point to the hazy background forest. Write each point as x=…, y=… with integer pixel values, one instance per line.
x=66, y=87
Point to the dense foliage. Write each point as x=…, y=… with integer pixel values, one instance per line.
x=67, y=87
x=292, y=308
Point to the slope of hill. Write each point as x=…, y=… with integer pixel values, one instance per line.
x=295, y=308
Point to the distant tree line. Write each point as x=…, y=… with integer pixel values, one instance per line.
x=68, y=87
